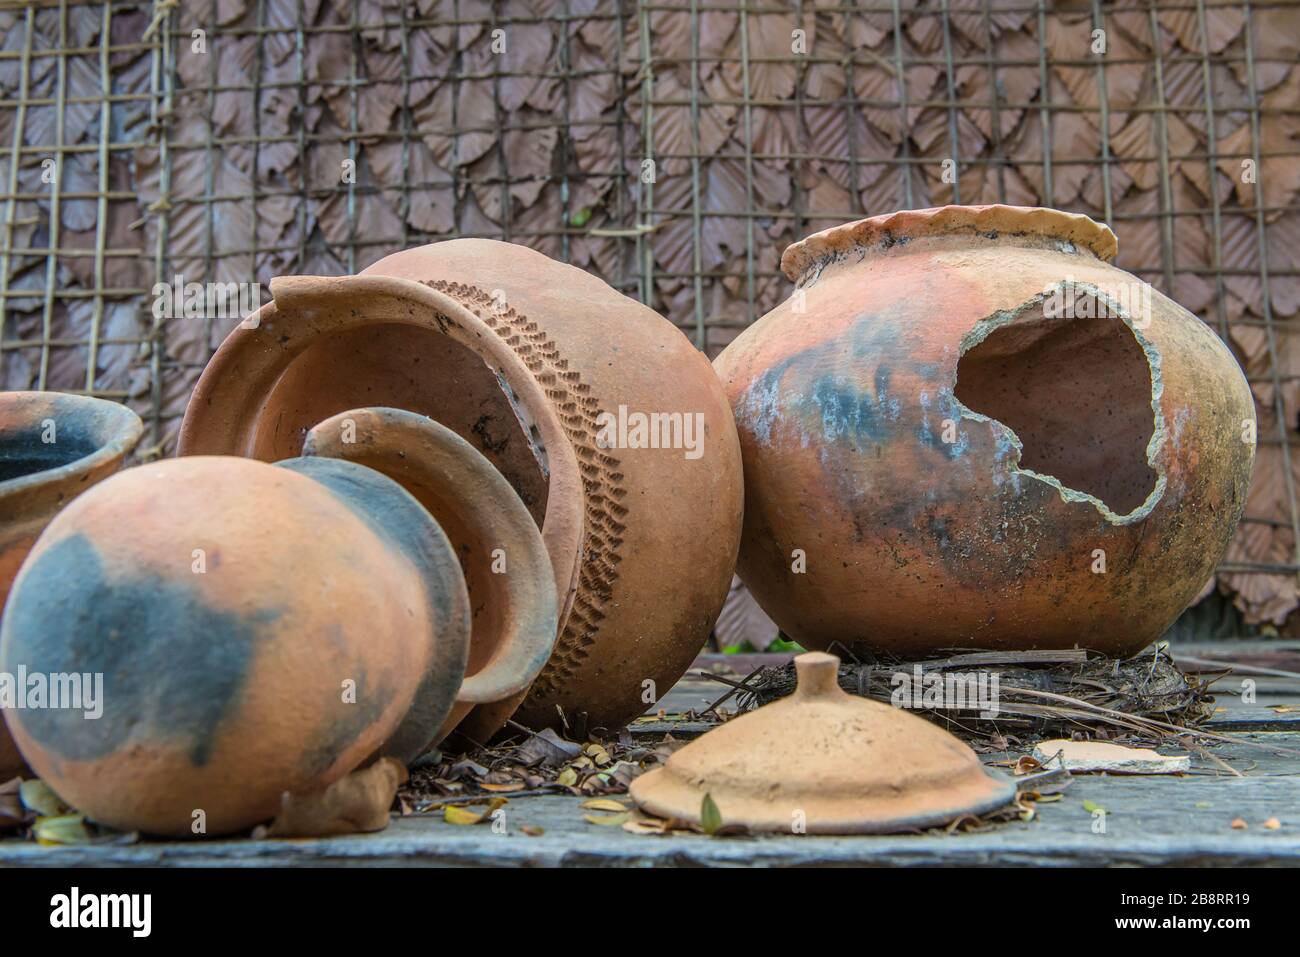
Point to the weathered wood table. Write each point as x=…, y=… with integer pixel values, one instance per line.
x=1149, y=820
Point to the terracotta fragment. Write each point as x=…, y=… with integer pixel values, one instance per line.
x=506, y=565
x=259, y=629
x=52, y=448
x=967, y=429
x=824, y=762
x=520, y=356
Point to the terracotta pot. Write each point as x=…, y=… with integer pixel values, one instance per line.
x=259, y=629
x=507, y=569
x=967, y=429
x=520, y=356
x=52, y=448
x=824, y=762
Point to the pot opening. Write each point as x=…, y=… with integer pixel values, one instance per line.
x=414, y=368
x=39, y=447
x=1076, y=391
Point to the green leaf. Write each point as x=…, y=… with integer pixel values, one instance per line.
x=710, y=816
x=1092, y=808
x=581, y=217
x=781, y=644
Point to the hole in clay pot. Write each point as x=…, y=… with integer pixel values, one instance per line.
x=405, y=367
x=1077, y=393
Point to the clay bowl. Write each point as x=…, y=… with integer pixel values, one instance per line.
x=505, y=562
x=968, y=429
x=824, y=762
x=52, y=448
x=520, y=356
x=259, y=629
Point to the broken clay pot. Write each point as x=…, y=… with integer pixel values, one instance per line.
x=52, y=448
x=822, y=761
x=505, y=562
x=528, y=360
x=966, y=428
x=259, y=629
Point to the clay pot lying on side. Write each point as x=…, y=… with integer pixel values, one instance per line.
x=52, y=448
x=258, y=629
x=537, y=365
x=967, y=429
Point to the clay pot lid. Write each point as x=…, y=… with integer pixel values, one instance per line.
x=912, y=223
x=827, y=762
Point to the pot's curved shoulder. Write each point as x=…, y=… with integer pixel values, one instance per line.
x=908, y=224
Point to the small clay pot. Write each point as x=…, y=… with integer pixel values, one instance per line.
x=52, y=448
x=968, y=429
x=526, y=359
x=505, y=562
x=259, y=629
x=824, y=762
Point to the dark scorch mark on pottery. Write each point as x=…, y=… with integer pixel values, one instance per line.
x=345, y=722
x=404, y=524
x=173, y=667
x=480, y=428
x=382, y=504
x=847, y=410
x=23, y=451
x=816, y=385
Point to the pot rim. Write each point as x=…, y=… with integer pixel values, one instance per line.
x=115, y=429
x=241, y=373
x=885, y=231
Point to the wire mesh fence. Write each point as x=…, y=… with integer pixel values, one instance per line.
x=674, y=149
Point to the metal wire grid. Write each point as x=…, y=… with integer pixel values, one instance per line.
x=632, y=212
x=105, y=108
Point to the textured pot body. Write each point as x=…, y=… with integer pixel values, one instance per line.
x=946, y=443
x=520, y=356
x=52, y=448
x=258, y=630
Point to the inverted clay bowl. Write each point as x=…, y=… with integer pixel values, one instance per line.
x=968, y=429
x=52, y=448
x=505, y=562
x=520, y=356
x=824, y=762
x=259, y=629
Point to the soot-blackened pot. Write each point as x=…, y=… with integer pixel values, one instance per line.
x=547, y=372
x=53, y=447
x=967, y=429
x=256, y=630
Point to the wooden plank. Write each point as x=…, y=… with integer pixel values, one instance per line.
x=1150, y=821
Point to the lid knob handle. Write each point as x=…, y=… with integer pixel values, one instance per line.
x=818, y=674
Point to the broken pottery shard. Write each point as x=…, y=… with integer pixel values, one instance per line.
x=967, y=429
x=356, y=803
x=507, y=568
x=822, y=761
x=1083, y=756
